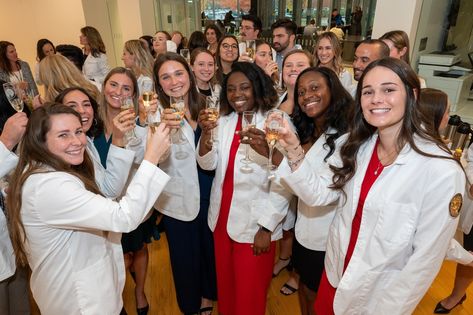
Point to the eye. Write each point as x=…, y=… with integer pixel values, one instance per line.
x=87, y=104
x=366, y=92
x=388, y=90
x=71, y=105
x=62, y=135
x=301, y=93
x=79, y=132
x=314, y=87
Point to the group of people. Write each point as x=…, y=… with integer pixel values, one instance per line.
x=365, y=199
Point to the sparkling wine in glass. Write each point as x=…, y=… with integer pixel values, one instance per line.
x=251, y=48
x=213, y=109
x=130, y=136
x=178, y=104
x=274, y=121
x=13, y=96
x=248, y=121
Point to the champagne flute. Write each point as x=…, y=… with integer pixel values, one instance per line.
x=249, y=120
x=273, y=123
x=184, y=52
x=147, y=96
x=29, y=99
x=251, y=48
x=130, y=136
x=13, y=96
x=178, y=104
x=213, y=109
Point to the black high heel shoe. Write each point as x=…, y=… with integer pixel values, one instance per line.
x=142, y=310
x=440, y=309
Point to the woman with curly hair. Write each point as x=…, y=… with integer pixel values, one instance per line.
x=95, y=66
x=213, y=35
x=245, y=228
x=321, y=116
x=227, y=54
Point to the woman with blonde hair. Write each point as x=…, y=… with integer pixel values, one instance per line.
x=138, y=59
x=328, y=53
x=57, y=73
x=95, y=67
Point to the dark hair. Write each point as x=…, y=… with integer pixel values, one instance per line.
x=4, y=62
x=39, y=48
x=195, y=101
x=400, y=40
x=97, y=127
x=149, y=41
x=257, y=24
x=432, y=104
x=263, y=90
x=73, y=53
x=214, y=27
x=337, y=115
x=197, y=39
x=34, y=158
x=361, y=131
x=289, y=25
x=94, y=40
x=219, y=74
x=383, y=49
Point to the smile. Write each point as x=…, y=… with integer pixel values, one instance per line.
x=379, y=110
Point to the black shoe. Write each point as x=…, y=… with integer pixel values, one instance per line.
x=142, y=310
x=440, y=309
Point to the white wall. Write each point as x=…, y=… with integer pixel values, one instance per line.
x=23, y=22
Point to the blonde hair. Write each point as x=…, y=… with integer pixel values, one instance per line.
x=337, y=51
x=58, y=73
x=143, y=61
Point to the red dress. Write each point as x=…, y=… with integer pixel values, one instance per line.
x=326, y=293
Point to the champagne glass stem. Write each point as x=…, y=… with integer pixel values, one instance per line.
x=247, y=153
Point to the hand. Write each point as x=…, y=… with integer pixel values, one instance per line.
x=122, y=123
x=271, y=67
x=13, y=130
x=262, y=242
x=157, y=143
x=205, y=123
x=37, y=101
x=143, y=110
x=171, y=118
x=256, y=138
x=22, y=85
x=287, y=138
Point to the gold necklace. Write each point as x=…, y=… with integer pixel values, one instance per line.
x=387, y=162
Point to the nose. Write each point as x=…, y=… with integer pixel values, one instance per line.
x=173, y=80
x=76, y=140
x=377, y=97
x=80, y=109
x=356, y=63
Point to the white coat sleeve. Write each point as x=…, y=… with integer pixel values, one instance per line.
x=8, y=160
x=208, y=161
x=61, y=201
x=119, y=162
x=311, y=185
x=279, y=199
x=434, y=231
x=139, y=148
x=457, y=253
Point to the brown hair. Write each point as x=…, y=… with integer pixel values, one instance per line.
x=194, y=98
x=337, y=51
x=143, y=60
x=35, y=157
x=4, y=62
x=94, y=39
x=400, y=40
x=432, y=105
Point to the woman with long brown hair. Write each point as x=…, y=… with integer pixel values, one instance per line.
x=95, y=66
x=64, y=239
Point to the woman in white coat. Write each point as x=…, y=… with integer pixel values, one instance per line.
x=321, y=115
x=95, y=66
x=395, y=181
x=64, y=238
x=245, y=228
x=185, y=200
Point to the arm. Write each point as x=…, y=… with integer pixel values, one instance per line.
x=74, y=207
x=434, y=231
x=457, y=253
x=13, y=131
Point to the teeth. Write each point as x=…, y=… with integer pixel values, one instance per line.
x=240, y=102
x=312, y=103
x=380, y=110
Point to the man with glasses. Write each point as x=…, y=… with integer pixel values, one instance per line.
x=251, y=27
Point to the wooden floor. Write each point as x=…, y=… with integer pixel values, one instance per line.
x=162, y=299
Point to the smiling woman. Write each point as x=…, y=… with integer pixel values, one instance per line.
x=56, y=237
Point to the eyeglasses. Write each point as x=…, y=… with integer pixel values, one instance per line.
x=228, y=46
x=246, y=28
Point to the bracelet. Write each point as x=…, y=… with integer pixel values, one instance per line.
x=294, y=164
x=291, y=155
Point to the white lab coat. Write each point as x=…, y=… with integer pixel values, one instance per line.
x=405, y=230
x=8, y=161
x=112, y=179
x=250, y=205
x=466, y=217
x=180, y=198
x=74, y=265
x=96, y=68
x=312, y=223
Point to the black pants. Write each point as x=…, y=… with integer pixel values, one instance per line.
x=192, y=260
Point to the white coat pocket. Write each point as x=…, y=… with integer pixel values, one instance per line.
x=396, y=223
